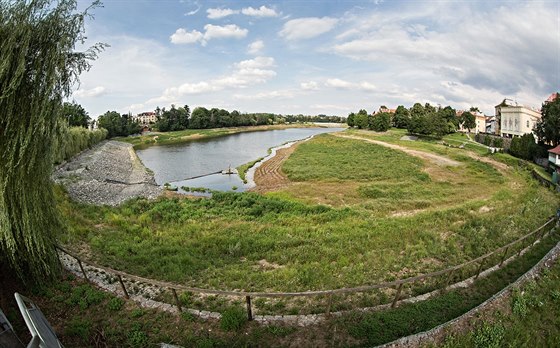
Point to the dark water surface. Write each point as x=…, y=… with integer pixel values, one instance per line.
x=176, y=163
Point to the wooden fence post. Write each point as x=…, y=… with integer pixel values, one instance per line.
x=503, y=257
x=122, y=287
x=83, y=270
x=329, y=304
x=449, y=278
x=480, y=268
x=249, y=309
x=177, y=302
x=399, y=289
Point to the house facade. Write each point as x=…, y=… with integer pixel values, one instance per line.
x=554, y=159
x=515, y=120
x=146, y=118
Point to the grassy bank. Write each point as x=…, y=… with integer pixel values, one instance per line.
x=530, y=318
x=392, y=216
x=385, y=326
x=84, y=316
x=160, y=138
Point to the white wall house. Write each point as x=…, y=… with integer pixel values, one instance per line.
x=554, y=158
x=516, y=120
x=146, y=118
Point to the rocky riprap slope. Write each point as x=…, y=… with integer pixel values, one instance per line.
x=110, y=173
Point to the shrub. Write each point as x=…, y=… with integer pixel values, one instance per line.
x=233, y=318
x=525, y=147
x=79, y=328
x=74, y=140
x=115, y=304
x=489, y=336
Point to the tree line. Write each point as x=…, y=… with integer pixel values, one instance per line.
x=179, y=118
x=419, y=119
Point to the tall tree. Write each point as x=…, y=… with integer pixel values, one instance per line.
x=75, y=114
x=350, y=119
x=548, y=127
x=468, y=120
x=38, y=68
x=113, y=122
x=402, y=117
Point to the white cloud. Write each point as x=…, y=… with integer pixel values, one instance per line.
x=366, y=86
x=181, y=36
x=486, y=55
x=226, y=31
x=262, y=11
x=89, y=93
x=255, y=47
x=256, y=63
x=216, y=13
x=309, y=85
x=307, y=28
x=338, y=83
x=246, y=73
x=280, y=94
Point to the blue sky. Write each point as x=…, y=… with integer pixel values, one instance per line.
x=320, y=57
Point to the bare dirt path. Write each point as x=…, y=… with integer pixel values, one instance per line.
x=269, y=175
x=436, y=159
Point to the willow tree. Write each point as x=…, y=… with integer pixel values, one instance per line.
x=38, y=69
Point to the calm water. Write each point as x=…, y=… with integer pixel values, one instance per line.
x=178, y=162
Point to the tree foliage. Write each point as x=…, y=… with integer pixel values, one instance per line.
x=203, y=118
x=38, y=68
x=525, y=147
x=350, y=119
x=75, y=115
x=468, y=120
x=429, y=120
x=174, y=119
x=361, y=119
x=118, y=125
x=548, y=127
x=380, y=122
x=401, y=117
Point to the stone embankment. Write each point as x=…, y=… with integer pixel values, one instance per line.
x=110, y=173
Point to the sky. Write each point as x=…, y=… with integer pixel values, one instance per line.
x=319, y=57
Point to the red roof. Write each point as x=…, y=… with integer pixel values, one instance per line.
x=552, y=97
x=556, y=150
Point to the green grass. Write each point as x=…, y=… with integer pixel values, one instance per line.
x=219, y=242
x=355, y=213
x=532, y=318
x=385, y=326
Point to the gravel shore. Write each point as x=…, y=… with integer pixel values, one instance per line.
x=108, y=174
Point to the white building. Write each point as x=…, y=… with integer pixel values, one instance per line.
x=515, y=120
x=146, y=118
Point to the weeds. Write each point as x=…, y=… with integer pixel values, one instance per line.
x=233, y=319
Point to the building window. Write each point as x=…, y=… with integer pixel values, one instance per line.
x=528, y=124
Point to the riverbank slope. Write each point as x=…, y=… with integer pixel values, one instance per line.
x=110, y=173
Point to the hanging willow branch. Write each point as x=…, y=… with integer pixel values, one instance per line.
x=38, y=68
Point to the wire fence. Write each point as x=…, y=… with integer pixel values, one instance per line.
x=392, y=291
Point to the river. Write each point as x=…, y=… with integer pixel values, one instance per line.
x=178, y=163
